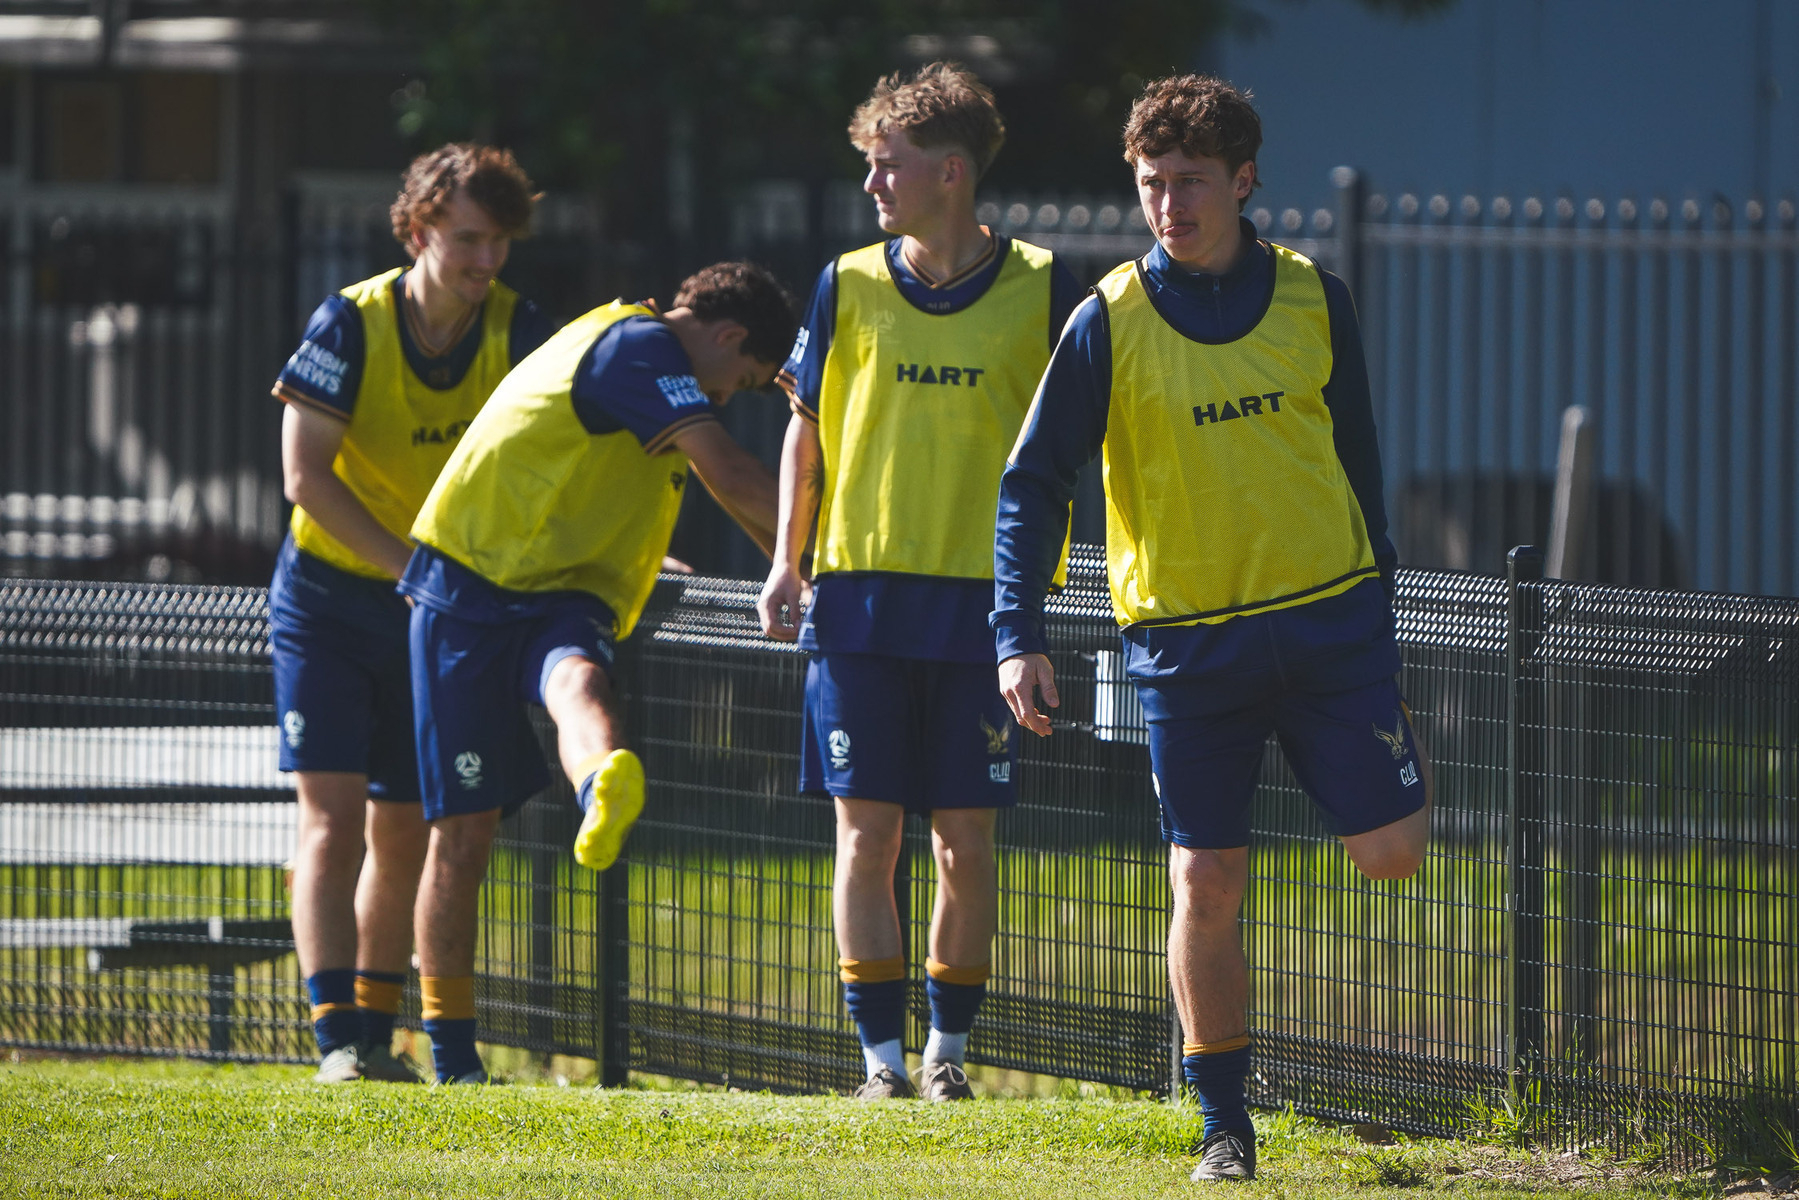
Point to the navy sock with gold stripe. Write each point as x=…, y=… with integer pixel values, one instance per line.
x=378, y=996
x=336, y=1021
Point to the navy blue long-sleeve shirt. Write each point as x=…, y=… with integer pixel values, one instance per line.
x=1345, y=640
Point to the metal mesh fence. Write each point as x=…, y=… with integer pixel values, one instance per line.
x=1604, y=925
x=144, y=833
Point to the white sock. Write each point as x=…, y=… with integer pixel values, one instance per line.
x=887, y=1054
x=946, y=1047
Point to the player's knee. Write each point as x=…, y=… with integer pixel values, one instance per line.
x=462, y=842
x=574, y=679
x=1390, y=862
x=967, y=858
x=1208, y=884
x=398, y=833
x=869, y=847
x=331, y=833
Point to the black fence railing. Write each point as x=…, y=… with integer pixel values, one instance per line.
x=1603, y=931
x=139, y=333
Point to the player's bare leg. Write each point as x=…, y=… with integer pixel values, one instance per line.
x=444, y=928
x=386, y=893
x=966, y=915
x=327, y=857
x=1211, y=992
x=1396, y=850
x=869, y=834
x=608, y=779
x=963, y=923
x=1205, y=951
x=869, y=946
x=388, y=887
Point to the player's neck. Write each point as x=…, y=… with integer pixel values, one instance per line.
x=439, y=317
x=944, y=252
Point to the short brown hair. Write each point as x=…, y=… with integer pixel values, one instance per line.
x=1200, y=115
x=942, y=104
x=491, y=177
x=745, y=293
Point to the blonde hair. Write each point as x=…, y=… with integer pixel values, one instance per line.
x=941, y=104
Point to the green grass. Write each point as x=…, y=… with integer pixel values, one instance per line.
x=129, y=1129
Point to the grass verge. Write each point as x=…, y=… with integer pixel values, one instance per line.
x=176, y=1130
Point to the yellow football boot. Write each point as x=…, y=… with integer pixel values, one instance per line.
x=617, y=803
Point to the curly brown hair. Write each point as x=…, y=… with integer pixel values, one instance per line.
x=747, y=294
x=941, y=104
x=1202, y=116
x=490, y=176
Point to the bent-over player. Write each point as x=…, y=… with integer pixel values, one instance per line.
x=908, y=382
x=537, y=551
x=1222, y=379
x=390, y=373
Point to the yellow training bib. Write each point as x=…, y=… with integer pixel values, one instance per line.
x=917, y=412
x=1224, y=493
x=534, y=502
x=401, y=431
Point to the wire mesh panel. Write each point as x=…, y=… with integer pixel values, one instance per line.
x=1384, y=1000
x=143, y=826
x=145, y=835
x=1370, y=998
x=1604, y=923
x=1657, y=983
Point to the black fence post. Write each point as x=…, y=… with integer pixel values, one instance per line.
x=541, y=986
x=1524, y=813
x=615, y=982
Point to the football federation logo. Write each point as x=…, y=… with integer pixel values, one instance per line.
x=294, y=726
x=1395, y=740
x=997, y=739
x=839, y=743
x=468, y=769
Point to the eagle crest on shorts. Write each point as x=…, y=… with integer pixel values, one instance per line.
x=1395, y=740
x=997, y=739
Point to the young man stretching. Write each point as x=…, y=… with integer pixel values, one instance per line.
x=537, y=550
x=1222, y=379
x=391, y=372
x=909, y=381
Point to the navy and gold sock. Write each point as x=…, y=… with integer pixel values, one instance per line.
x=955, y=994
x=336, y=1021
x=1216, y=1072
x=378, y=996
x=874, y=990
x=448, y=1006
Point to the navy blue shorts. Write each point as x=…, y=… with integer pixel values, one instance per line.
x=1352, y=751
x=471, y=682
x=921, y=734
x=343, y=694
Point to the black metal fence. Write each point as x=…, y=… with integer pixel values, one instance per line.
x=1604, y=929
x=138, y=337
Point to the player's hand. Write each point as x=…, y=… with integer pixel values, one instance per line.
x=1020, y=680
x=781, y=603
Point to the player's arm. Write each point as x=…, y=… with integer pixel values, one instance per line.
x=310, y=438
x=1347, y=396
x=736, y=478
x=786, y=591
x=1061, y=434
x=802, y=486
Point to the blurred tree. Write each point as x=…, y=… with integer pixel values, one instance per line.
x=605, y=95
